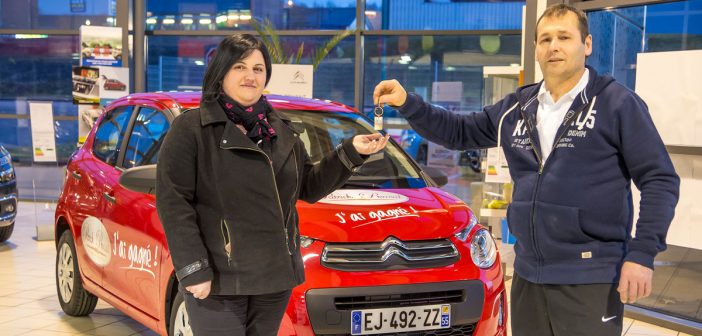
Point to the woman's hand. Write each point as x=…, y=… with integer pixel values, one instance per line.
x=368, y=144
x=201, y=290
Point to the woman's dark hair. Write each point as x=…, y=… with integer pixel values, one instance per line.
x=231, y=50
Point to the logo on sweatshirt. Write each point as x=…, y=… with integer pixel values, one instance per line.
x=579, y=128
x=519, y=129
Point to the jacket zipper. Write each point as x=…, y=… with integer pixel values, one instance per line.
x=542, y=164
x=294, y=196
x=539, y=256
x=275, y=187
x=227, y=241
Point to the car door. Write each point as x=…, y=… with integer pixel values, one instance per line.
x=87, y=184
x=132, y=220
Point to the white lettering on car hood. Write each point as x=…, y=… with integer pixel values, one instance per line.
x=363, y=197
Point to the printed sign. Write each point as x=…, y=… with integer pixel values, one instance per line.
x=291, y=80
x=86, y=89
x=497, y=169
x=96, y=241
x=43, y=136
x=113, y=83
x=101, y=46
x=363, y=197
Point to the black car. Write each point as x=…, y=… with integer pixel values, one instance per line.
x=8, y=195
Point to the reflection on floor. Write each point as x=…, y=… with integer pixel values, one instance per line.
x=678, y=273
x=28, y=303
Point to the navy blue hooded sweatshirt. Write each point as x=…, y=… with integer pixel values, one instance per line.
x=572, y=215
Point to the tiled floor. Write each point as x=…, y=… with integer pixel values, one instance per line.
x=28, y=304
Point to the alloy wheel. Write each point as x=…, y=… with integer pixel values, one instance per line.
x=64, y=269
x=182, y=323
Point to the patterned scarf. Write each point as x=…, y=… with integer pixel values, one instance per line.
x=254, y=119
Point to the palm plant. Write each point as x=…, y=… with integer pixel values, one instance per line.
x=270, y=39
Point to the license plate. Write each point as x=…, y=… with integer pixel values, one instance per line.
x=388, y=320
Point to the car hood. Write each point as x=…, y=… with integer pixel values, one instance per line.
x=364, y=215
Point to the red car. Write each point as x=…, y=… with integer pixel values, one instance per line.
x=114, y=85
x=390, y=252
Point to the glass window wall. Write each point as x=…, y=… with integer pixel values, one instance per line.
x=238, y=14
x=56, y=14
x=419, y=61
x=443, y=15
x=178, y=63
x=619, y=34
x=37, y=69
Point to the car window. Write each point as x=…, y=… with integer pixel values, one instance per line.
x=147, y=135
x=110, y=133
x=390, y=168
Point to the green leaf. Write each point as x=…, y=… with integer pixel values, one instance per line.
x=299, y=53
x=320, y=53
x=269, y=41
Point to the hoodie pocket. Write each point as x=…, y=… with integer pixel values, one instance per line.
x=226, y=240
x=559, y=234
x=518, y=218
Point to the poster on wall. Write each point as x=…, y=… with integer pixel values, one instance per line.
x=101, y=46
x=113, y=83
x=86, y=89
x=43, y=137
x=291, y=80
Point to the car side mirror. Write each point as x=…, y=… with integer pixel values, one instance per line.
x=140, y=179
x=436, y=175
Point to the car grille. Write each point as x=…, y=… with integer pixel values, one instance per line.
x=390, y=254
x=398, y=300
x=463, y=330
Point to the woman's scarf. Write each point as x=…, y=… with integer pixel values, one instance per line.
x=254, y=119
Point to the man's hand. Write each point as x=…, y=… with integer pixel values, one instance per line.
x=368, y=144
x=389, y=92
x=635, y=282
x=201, y=290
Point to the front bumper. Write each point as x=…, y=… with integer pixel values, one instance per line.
x=329, y=309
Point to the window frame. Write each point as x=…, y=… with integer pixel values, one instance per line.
x=120, y=142
x=138, y=109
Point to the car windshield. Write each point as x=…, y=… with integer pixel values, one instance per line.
x=389, y=168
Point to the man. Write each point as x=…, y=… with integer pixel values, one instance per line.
x=573, y=143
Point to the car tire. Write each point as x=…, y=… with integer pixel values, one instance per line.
x=6, y=232
x=179, y=323
x=74, y=299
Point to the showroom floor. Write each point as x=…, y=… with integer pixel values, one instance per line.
x=28, y=304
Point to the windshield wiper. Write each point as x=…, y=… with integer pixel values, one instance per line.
x=351, y=183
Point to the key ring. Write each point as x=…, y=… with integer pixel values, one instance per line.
x=378, y=116
x=378, y=109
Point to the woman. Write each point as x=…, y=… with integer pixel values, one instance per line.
x=229, y=175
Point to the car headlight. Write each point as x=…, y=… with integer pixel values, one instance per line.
x=463, y=234
x=306, y=241
x=483, y=250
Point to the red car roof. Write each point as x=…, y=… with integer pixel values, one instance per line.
x=192, y=100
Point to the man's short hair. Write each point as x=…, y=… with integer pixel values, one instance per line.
x=559, y=10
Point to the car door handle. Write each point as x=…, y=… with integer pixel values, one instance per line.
x=109, y=197
x=76, y=175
